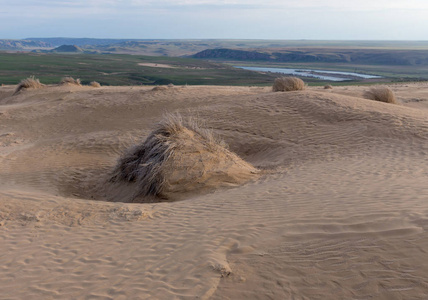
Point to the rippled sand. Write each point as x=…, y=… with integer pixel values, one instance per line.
x=339, y=212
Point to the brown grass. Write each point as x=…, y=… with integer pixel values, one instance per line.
x=70, y=81
x=285, y=84
x=29, y=83
x=95, y=84
x=328, y=87
x=173, y=145
x=159, y=88
x=144, y=163
x=382, y=94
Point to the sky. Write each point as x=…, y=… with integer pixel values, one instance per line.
x=222, y=19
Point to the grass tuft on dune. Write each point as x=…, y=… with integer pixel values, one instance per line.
x=29, y=83
x=382, y=94
x=178, y=157
x=70, y=81
x=95, y=84
x=286, y=84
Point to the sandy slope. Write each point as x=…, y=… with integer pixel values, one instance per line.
x=341, y=211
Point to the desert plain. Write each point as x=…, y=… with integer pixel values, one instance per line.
x=338, y=210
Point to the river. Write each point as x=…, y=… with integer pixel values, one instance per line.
x=320, y=74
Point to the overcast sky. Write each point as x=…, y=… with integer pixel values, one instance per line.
x=240, y=19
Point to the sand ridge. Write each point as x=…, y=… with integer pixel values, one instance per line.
x=339, y=213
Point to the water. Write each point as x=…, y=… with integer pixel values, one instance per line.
x=320, y=74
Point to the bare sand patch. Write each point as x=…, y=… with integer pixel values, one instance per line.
x=155, y=65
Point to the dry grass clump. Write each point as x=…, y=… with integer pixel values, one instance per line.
x=70, y=81
x=95, y=84
x=159, y=88
x=178, y=157
x=29, y=83
x=328, y=87
x=382, y=94
x=285, y=84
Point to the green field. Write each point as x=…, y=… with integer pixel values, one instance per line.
x=123, y=69
x=118, y=69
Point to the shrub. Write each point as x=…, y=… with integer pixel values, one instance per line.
x=29, y=83
x=328, y=87
x=285, y=84
x=382, y=94
x=70, y=81
x=95, y=84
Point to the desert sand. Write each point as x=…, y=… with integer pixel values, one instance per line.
x=338, y=211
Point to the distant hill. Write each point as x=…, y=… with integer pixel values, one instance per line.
x=58, y=41
x=153, y=47
x=18, y=45
x=325, y=55
x=68, y=49
x=233, y=54
x=397, y=53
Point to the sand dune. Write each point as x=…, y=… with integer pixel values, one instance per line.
x=339, y=211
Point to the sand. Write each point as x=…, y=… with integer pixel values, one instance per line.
x=154, y=65
x=340, y=210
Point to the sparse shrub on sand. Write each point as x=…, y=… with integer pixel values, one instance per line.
x=29, y=83
x=285, y=84
x=382, y=94
x=70, y=81
x=179, y=157
x=170, y=85
x=95, y=84
x=328, y=87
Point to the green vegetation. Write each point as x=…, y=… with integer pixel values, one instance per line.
x=118, y=69
x=124, y=69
